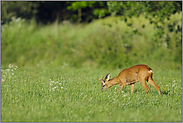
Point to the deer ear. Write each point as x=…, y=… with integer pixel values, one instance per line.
x=108, y=77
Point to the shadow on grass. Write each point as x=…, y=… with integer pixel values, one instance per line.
x=162, y=92
x=165, y=92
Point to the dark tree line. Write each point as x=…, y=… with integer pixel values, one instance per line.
x=84, y=11
x=48, y=12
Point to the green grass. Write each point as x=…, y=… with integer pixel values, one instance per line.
x=29, y=95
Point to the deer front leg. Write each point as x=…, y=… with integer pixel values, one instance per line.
x=132, y=88
x=121, y=87
x=143, y=82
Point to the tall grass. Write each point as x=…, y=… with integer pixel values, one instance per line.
x=104, y=42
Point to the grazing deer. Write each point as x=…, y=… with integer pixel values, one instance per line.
x=141, y=73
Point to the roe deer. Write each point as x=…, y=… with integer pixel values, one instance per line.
x=129, y=76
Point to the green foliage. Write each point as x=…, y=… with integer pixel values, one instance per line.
x=108, y=42
x=162, y=9
x=81, y=4
x=98, y=8
x=159, y=14
x=100, y=12
x=74, y=95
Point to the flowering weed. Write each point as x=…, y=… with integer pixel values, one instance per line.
x=55, y=85
x=8, y=73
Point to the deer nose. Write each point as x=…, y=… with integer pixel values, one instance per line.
x=103, y=88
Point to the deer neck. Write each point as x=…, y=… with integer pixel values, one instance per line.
x=113, y=81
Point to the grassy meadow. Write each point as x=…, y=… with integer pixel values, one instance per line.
x=74, y=95
x=49, y=73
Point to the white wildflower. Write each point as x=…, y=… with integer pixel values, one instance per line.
x=10, y=65
x=7, y=69
x=54, y=88
x=18, y=19
x=53, y=81
x=174, y=84
x=174, y=80
x=124, y=95
x=56, y=84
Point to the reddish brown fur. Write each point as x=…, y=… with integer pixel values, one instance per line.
x=141, y=73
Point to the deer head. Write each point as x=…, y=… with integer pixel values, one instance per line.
x=105, y=82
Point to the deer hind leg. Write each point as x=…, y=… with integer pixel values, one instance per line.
x=132, y=88
x=143, y=82
x=150, y=81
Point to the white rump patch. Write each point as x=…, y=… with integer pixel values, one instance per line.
x=150, y=71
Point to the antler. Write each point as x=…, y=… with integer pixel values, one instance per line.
x=101, y=79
